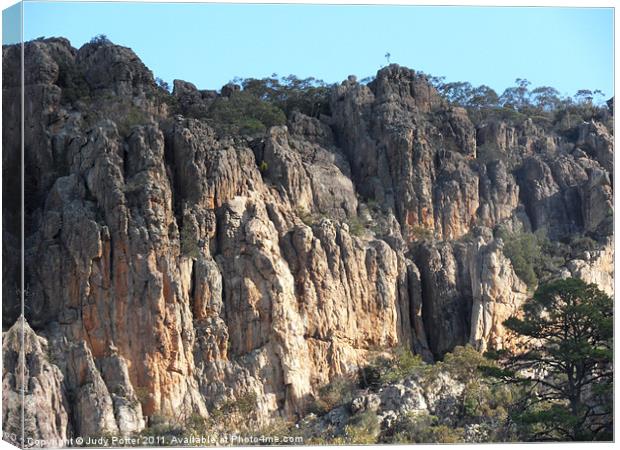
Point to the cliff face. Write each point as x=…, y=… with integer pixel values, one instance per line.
x=169, y=269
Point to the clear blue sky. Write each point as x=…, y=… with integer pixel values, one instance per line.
x=209, y=44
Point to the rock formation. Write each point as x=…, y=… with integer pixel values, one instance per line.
x=170, y=269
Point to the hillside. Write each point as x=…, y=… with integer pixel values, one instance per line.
x=193, y=250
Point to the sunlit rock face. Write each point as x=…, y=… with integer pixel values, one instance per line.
x=170, y=269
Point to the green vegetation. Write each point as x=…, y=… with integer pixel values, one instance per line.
x=421, y=429
x=100, y=39
x=339, y=391
x=308, y=95
x=389, y=369
x=263, y=103
x=421, y=233
x=361, y=428
x=72, y=82
x=535, y=258
x=235, y=412
x=543, y=104
x=189, y=241
x=555, y=385
x=306, y=216
x=133, y=117
x=243, y=113
x=525, y=252
x=564, y=363
x=162, y=84
x=356, y=226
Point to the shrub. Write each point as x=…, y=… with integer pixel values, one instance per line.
x=421, y=429
x=246, y=403
x=163, y=427
x=309, y=95
x=100, y=39
x=362, y=428
x=72, y=82
x=263, y=167
x=481, y=400
x=525, y=253
x=162, y=84
x=189, y=241
x=462, y=363
x=402, y=364
x=373, y=205
x=243, y=113
x=405, y=364
x=580, y=244
x=231, y=414
x=336, y=393
x=356, y=226
x=196, y=425
x=422, y=234
x=133, y=117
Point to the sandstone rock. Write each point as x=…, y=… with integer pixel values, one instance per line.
x=114, y=68
x=33, y=386
x=497, y=294
x=191, y=101
x=313, y=177
x=597, y=267
x=446, y=295
x=172, y=272
x=597, y=141
x=399, y=145
x=597, y=203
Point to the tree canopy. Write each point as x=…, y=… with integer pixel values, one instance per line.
x=564, y=360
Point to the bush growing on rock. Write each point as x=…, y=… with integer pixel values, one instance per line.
x=362, y=428
x=421, y=429
x=421, y=233
x=243, y=113
x=525, y=252
x=189, y=242
x=306, y=95
x=338, y=392
x=402, y=364
x=72, y=82
x=100, y=39
x=133, y=117
x=356, y=226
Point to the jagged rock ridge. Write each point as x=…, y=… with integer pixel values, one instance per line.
x=169, y=272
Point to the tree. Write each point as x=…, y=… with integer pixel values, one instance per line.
x=162, y=84
x=484, y=97
x=564, y=360
x=546, y=98
x=100, y=39
x=457, y=92
x=307, y=95
x=243, y=113
x=517, y=97
x=584, y=96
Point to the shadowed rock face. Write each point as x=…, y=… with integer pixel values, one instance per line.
x=170, y=270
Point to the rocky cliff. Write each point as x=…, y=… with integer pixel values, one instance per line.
x=170, y=269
